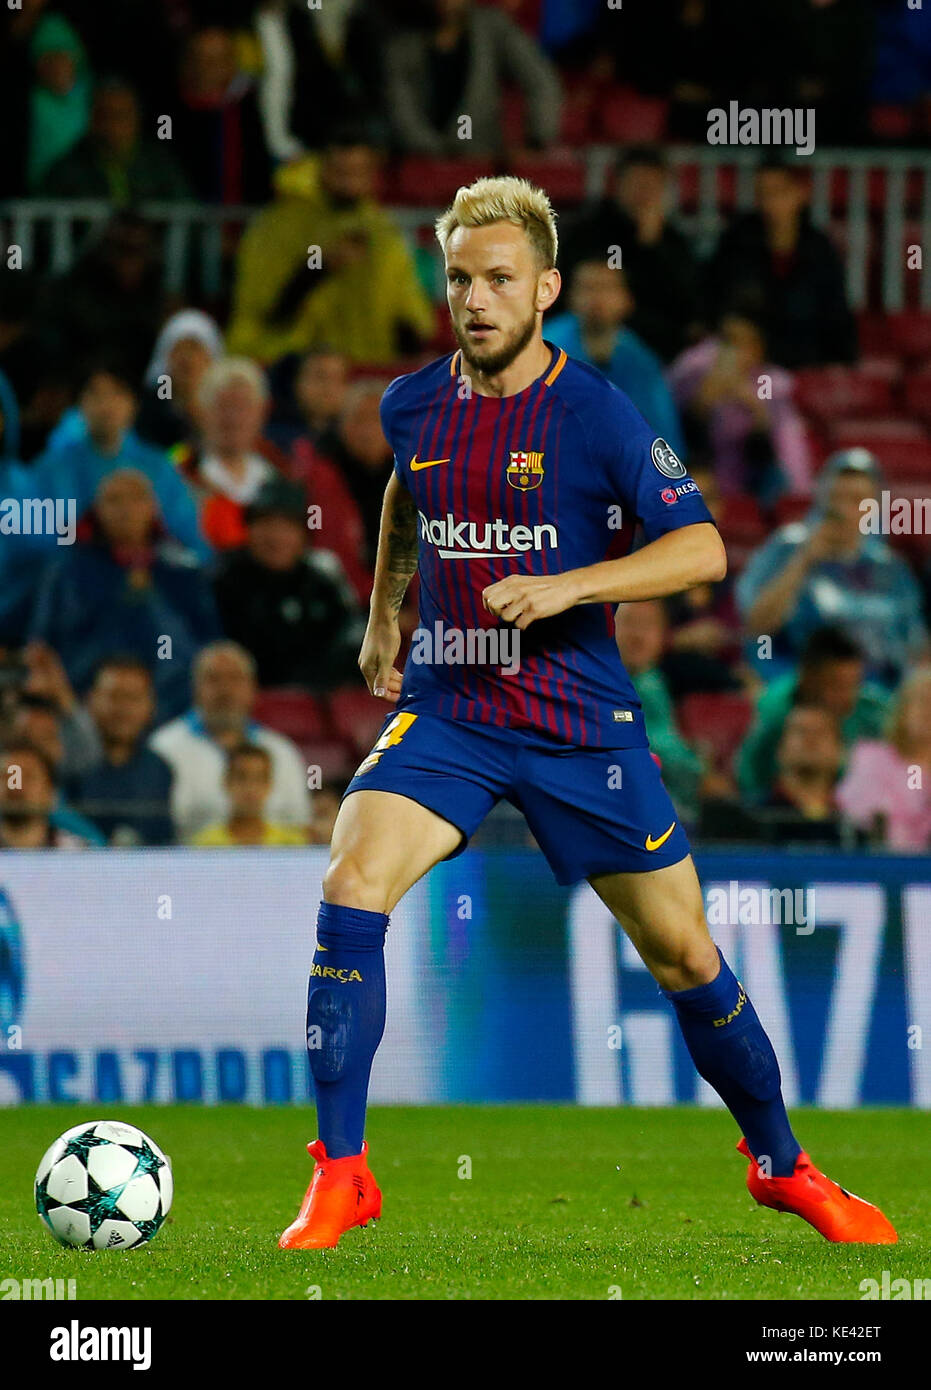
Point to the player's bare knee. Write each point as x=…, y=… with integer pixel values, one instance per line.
x=690, y=964
x=350, y=882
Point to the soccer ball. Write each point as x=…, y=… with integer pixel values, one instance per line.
x=103, y=1185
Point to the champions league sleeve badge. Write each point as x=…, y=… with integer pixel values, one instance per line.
x=666, y=460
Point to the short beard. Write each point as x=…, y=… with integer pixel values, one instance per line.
x=500, y=360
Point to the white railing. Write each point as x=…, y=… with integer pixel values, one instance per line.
x=193, y=242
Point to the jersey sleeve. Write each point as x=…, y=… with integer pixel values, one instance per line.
x=388, y=412
x=645, y=474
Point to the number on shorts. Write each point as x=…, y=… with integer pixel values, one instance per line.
x=390, y=736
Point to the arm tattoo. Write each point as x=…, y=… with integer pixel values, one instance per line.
x=403, y=548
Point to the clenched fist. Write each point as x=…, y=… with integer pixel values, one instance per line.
x=522, y=599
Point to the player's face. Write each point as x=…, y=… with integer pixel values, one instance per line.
x=496, y=293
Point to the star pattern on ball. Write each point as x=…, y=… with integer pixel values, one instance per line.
x=100, y=1204
x=81, y=1144
x=146, y=1160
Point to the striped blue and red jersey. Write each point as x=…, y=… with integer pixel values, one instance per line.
x=539, y=482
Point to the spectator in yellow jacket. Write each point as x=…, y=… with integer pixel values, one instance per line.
x=324, y=263
x=248, y=784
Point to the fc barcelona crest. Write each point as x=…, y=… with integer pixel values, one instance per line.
x=525, y=470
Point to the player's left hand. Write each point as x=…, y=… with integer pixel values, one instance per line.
x=522, y=599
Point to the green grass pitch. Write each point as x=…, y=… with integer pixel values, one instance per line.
x=562, y=1203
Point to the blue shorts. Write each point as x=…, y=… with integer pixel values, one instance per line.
x=591, y=810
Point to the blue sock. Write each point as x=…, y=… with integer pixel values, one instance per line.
x=732, y=1052
x=345, y=1020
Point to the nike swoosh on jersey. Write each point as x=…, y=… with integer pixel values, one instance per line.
x=650, y=843
x=425, y=463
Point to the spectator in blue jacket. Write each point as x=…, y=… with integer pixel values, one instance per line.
x=829, y=570
x=100, y=438
x=594, y=332
x=126, y=589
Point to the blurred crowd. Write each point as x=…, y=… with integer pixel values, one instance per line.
x=185, y=670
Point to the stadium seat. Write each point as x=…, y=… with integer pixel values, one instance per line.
x=789, y=509
x=911, y=335
x=625, y=117
x=334, y=757
x=848, y=434
x=356, y=716
x=893, y=123
x=742, y=527
x=561, y=173
x=716, y=722
x=875, y=334
x=578, y=110
x=834, y=393
x=687, y=180
x=727, y=189
x=917, y=393
x=292, y=712
x=902, y=446
x=425, y=182
x=512, y=118
x=908, y=463
x=875, y=190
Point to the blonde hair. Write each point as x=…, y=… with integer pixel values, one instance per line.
x=505, y=199
x=895, y=724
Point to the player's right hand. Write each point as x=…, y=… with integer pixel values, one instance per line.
x=376, y=659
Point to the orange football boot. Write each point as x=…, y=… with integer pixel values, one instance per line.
x=835, y=1213
x=342, y=1194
